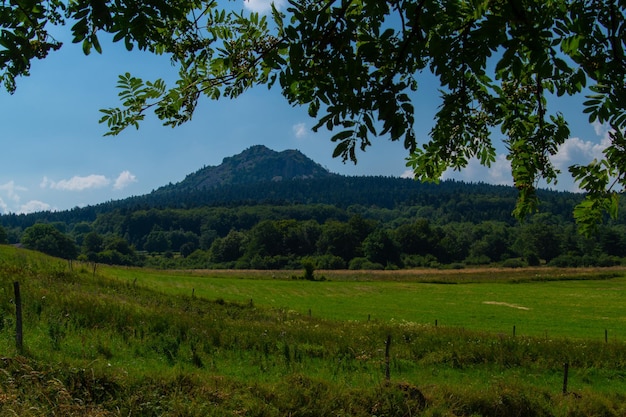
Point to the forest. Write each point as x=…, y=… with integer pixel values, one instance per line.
x=327, y=223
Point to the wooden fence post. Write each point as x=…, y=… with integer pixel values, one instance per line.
x=19, y=336
x=387, y=361
x=565, y=372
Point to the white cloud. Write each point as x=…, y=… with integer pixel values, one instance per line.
x=601, y=129
x=4, y=208
x=11, y=190
x=76, y=183
x=578, y=151
x=573, y=151
x=299, y=130
x=499, y=173
x=408, y=174
x=263, y=6
x=124, y=180
x=34, y=206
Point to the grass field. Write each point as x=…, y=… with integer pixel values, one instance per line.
x=580, y=303
x=137, y=342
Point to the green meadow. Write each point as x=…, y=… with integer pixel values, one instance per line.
x=138, y=342
x=564, y=303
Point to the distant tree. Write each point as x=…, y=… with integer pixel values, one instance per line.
x=361, y=227
x=80, y=230
x=93, y=242
x=418, y=237
x=91, y=248
x=187, y=249
x=4, y=237
x=540, y=238
x=380, y=247
x=612, y=241
x=157, y=241
x=178, y=238
x=47, y=239
x=339, y=239
x=299, y=237
x=229, y=248
x=206, y=238
x=492, y=240
x=119, y=244
x=265, y=239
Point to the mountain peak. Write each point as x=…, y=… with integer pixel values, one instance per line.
x=255, y=164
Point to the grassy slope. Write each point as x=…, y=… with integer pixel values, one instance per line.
x=109, y=345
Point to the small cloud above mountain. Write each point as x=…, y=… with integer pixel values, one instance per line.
x=124, y=180
x=89, y=182
x=76, y=183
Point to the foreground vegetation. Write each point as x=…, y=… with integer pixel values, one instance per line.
x=120, y=342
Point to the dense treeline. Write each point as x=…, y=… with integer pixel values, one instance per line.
x=327, y=237
x=332, y=222
x=445, y=202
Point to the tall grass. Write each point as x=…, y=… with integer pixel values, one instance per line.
x=101, y=346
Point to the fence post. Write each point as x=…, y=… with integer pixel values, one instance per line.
x=565, y=372
x=387, y=361
x=19, y=336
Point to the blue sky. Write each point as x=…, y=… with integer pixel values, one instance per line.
x=54, y=155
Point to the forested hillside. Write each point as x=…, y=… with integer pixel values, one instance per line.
x=264, y=209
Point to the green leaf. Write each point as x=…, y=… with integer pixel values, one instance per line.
x=343, y=135
x=86, y=47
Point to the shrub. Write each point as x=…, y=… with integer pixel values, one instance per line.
x=309, y=269
x=565, y=261
x=329, y=262
x=477, y=260
x=532, y=259
x=514, y=263
x=364, y=263
x=417, y=261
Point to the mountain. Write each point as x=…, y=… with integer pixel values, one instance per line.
x=261, y=176
x=255, y=164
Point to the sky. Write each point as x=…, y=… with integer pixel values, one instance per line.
x=53, y=155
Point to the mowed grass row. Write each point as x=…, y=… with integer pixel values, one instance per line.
x=548, y=303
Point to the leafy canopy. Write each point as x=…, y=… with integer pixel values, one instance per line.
x=357, y=65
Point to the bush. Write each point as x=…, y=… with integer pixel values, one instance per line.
x=309, y=270
x=418, y=261
x=477, y=260
x=565, y=261
x=514, y=263
x=329, y=262
x=532, y=259
x=364, y=263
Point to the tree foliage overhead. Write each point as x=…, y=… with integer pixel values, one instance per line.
x=358, y=65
